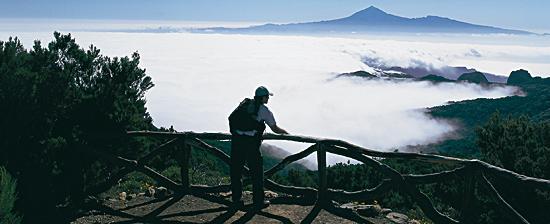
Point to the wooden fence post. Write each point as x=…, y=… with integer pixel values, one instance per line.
x=469, y=196
x=322, y=171
x=184, y=153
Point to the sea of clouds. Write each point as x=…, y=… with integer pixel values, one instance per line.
x=200, y=78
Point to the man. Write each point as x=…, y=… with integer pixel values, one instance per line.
x=247, y=124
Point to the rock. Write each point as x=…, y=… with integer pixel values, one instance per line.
x=150, y=192
x=131, y=196
x=349, y=205
x=413, y=221
x=385, y=211
x=225, y=194
x=270, y=194
x=161, y=192
x=397, y=218
x=122, y=196
x=369, y=210
x=364, y=210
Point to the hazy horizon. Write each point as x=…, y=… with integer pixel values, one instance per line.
x=530, y=16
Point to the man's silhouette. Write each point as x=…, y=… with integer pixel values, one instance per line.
x=247, y=124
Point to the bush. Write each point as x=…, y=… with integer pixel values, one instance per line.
x=59, y=103
x=517, y=144
x=7, y=198
x=521, y=145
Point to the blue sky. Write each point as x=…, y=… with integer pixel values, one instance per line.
x=529, y=15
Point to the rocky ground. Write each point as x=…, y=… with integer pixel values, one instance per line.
x=191, y=209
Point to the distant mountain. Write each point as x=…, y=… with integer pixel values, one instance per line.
x=519, y=77
x=273, y=155
x=362, y=74
x=371, y=20
x=435, y=79
x=421, y=70
x=473, y=77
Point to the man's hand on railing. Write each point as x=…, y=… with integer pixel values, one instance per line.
x=278, y=130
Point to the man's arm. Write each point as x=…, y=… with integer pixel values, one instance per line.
x=277, y=129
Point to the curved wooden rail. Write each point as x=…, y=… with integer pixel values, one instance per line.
x=321, y=196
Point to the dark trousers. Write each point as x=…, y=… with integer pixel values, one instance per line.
x=247, y=149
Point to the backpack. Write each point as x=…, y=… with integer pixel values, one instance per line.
x=243, y=118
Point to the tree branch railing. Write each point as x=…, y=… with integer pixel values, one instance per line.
x=322, y=195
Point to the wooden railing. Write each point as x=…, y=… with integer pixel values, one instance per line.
x=322, y=196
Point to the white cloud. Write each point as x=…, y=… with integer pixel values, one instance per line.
x=200, y=78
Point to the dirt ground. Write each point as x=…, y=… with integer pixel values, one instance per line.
x=191, y=209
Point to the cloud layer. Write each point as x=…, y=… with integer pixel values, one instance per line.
x=200, y=78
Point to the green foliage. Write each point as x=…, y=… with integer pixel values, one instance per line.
x=470, y=114
x=352, y=177
x=215, y=164
x=301, y=178
x=59, y=102
x=132, y=183
x=521, y=145
x=416, y=214
x=517, y=144
x=8, y=196
x=355, y=177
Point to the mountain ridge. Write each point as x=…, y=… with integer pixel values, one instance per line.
x=373, y=19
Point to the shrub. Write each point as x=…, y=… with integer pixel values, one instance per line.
x=7, y=198
x=62, y=102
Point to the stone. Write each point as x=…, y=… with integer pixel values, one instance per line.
x=364, y=210
x=161, y=192
x=270, y=194
x=348, y=205
x=397, y=218
x=122, y=196
x=225, y=194
x=150, y=192
x=385, y=211
x=131, y=196
x=369, y=210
